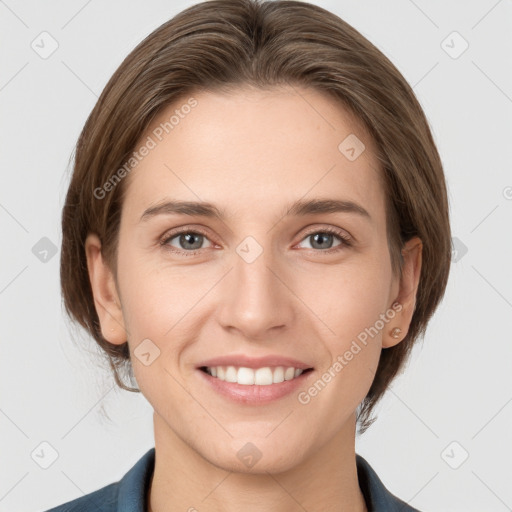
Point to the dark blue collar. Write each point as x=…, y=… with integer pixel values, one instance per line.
x=377, y=497
x=134, y=486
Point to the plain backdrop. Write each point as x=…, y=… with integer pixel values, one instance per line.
x=442, y=440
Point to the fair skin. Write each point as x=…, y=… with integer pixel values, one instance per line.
x=252, y=153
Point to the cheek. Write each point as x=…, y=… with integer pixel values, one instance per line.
x=158, y=308
x=156, y=294
x=163, y=307
x=352, y=310
x=349, y=298
x=354, y=305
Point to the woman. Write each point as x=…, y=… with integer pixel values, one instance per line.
x=257, y=232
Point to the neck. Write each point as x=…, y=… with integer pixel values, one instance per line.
x=186, y=481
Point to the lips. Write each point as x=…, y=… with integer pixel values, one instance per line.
x=254, y=394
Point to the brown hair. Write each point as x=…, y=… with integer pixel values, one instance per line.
x=228, y=43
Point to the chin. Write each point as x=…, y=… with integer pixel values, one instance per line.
x=261, y=455
x=274, y=463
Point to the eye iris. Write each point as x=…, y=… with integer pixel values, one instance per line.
x=185, y=239
x=319, y=238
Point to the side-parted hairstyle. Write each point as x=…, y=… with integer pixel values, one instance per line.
x=223, y=44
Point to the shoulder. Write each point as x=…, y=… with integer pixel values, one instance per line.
x=128, y=494
x=378, y=497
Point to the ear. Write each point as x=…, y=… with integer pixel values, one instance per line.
x=106, y=299
x=406, y=297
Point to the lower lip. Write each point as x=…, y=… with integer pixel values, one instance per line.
x=255, y=394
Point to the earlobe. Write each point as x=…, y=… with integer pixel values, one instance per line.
x=408, y=287
x=106, y=299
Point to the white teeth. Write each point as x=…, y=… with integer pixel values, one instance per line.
x=289, y=374
x=278, y=375
x=248, y=376
x=231, y=374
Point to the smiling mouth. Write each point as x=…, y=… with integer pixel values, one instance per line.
x=265, y=376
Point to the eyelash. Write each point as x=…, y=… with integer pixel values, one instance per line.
x=344, y=238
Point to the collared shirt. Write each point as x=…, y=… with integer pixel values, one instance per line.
x=129, y=494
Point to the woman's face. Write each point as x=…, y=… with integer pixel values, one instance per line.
x=310, y=287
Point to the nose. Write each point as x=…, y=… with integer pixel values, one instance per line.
x=256, y=298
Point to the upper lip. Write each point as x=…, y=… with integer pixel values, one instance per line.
x=254, y=362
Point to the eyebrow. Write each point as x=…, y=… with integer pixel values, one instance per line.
x=299, y=208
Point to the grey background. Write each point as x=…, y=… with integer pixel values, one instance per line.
x=457, y=386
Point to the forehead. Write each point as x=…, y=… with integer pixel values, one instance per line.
x=251, y=149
